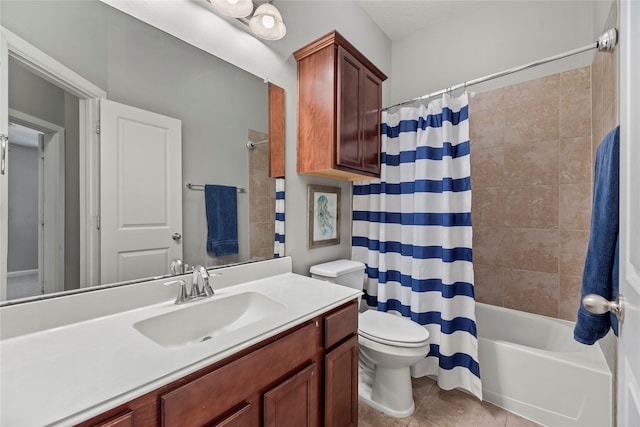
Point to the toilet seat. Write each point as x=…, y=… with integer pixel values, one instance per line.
x=389, y=329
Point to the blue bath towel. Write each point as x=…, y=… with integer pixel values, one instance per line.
x=221, y=205
x=600, y=274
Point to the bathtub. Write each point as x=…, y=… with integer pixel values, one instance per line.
x=532, y=366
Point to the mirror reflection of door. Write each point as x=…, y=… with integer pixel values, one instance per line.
x=140, y=192
x=42, y=186
x=24, y=278
x=35, y=259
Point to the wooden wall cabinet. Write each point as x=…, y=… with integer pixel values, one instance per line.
x=339, y=104
x=276, y=131
x=304, y=377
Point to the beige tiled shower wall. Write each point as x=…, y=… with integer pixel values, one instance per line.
x=604, y=81
x=262, y=200
x=531, y=166
x=533, y=148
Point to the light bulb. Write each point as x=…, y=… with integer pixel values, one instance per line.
x=268, y=21
x=233, y=8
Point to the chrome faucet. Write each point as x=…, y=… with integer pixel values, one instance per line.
x=196, y=292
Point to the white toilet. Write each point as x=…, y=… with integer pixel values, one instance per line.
x=389, y=346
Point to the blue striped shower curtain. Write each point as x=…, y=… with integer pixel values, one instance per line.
x=278, y=244
x=412, y=229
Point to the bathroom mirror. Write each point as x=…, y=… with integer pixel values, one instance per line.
x=220, y=108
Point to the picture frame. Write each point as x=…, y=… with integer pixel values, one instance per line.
x=323, y=216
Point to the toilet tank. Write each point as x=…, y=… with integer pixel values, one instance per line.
x=343, y=272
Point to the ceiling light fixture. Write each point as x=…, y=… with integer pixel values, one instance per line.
x=233, y=8
x=267, y=23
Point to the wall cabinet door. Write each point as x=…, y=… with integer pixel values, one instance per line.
x=371, y=120
x=349, y=124
x=359, y=94
x=341, y=385
x=294, y=402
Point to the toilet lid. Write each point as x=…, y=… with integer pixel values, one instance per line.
x=387, y=328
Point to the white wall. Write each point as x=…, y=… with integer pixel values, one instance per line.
x=490, y=37
x=306, y=21
x=601, y=11
x=231, y=41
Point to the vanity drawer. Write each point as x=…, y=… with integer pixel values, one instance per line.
x=340, y=324
x=210, y=396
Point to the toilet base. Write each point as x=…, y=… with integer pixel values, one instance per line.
x=387, y=390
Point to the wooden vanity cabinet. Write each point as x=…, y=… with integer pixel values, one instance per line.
x=341, y=367
x=339, y=104
x=306, y=376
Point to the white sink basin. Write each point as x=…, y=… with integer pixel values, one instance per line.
x=202, y=320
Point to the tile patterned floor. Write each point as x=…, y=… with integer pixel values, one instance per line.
x=438, y=408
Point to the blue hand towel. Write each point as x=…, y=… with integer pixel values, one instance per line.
x=600, y=274
x=221, y=205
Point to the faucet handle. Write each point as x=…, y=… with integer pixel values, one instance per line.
x=182, y=292
x=177, y=266
x=207, y=289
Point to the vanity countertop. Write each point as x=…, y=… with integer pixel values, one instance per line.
x=68, y=374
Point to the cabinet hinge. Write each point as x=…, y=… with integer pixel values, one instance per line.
x=98, y=127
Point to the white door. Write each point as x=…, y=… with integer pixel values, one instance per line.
x=628, y=411
x=140, y=192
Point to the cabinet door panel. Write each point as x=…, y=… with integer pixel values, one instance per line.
x=293, y=403
x=276, y=131
x=371, y=101
x=341, y=385
x=349, y=72
x=241, y=418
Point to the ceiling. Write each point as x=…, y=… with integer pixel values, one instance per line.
x=400, y=18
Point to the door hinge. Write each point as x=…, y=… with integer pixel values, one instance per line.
x=98, y=222
x=4, y=141
x=98, y=127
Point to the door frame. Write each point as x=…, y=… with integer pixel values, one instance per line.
x=52, y=206
x=43, y=65
x=628, y=364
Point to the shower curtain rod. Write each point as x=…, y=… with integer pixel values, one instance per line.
x=606, y=42
x=251, y=144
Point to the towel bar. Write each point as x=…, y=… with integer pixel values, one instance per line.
x=200, y=187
